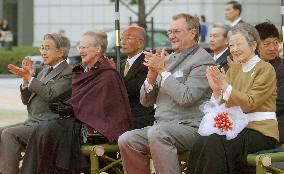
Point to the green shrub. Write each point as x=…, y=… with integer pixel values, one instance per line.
x=15, y=57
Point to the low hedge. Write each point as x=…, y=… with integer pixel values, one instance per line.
x=15, y=56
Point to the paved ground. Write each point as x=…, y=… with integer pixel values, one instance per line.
x=11, y=108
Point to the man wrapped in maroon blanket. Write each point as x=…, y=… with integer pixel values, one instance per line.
x=99, y=101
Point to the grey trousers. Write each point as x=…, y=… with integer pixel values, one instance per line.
x=12, y=139
x=161, y=141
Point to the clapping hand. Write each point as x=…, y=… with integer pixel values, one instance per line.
x=153, y=61
x=216, y=79
x=25, y=72
x=156, y=62
x=27, y=64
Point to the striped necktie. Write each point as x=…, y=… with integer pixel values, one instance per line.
x=49, y=70
x=126, y=68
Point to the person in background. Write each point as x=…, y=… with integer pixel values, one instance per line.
x=268, y=51
x=53, y=82
x=203, y=28
x=218, y=43
x=177, y=86
x=134, y=73
x=99, y=103
x=251, y=85
x=4, y=27
x=233, y=10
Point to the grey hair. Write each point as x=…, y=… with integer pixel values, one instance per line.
x=247, y=30
x=192, y=22
x=100, y=38
x=139, y=31
x=60, y=41
x=226, y=29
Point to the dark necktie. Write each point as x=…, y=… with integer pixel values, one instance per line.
x=49, y=70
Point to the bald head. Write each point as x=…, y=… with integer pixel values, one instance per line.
x=136, y=31
x=132, y=40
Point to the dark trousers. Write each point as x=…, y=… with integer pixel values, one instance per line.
x=215, y=155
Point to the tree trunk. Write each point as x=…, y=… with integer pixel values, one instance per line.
x=142, y=14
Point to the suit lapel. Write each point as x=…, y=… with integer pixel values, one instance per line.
x=31, y=97
x=135, y=66
x=176, y=60
x=54, y=72
x=222, y=59
x=40, y=77
x=45, y=78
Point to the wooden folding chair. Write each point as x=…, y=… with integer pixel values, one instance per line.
x=263, y=160
x=96, y=152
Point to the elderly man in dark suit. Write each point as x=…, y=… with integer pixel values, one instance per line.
x=218, y=43
x=177, y=85
x=135, y=72
x=52, y=83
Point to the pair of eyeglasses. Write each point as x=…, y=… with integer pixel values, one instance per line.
x=83, y=47
x=176, y=31
x=128, y=38
x=42, y=49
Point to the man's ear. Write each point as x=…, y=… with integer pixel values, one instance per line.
x=193, y=32
x=61, y=52
x=227, y=42
x=141, y=44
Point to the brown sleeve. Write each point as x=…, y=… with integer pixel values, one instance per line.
x=263, y=87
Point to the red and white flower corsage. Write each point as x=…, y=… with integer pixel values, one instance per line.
x=221, y=120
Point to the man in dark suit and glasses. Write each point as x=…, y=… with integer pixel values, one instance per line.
x=36, y=93
x=134, y=72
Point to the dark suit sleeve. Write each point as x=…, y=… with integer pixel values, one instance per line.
x=134, y=84
x=25, y=94
x=280, y=89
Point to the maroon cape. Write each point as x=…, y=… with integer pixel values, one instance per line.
x=99, y=99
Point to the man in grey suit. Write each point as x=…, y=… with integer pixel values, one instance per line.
x=177, y=85
x=52, y=83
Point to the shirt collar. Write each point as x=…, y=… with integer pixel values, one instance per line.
x=131, y=60
x=185, y=52
x=235, y=22
x=56, y=65
x=220, y=54
x=249, y=65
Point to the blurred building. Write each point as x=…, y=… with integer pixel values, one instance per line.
x=20, y=16
x=31, y=19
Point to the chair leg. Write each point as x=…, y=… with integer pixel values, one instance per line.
x=260, y=169
x=94, y=160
